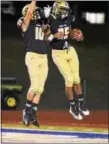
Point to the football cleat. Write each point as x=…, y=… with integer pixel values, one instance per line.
x=26, y=117
x=83, y=109
x=34, y=119
x=74, y=111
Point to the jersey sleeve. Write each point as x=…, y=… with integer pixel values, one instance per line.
x=49, y=20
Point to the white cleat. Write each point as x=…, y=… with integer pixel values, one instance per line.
x=76, y=116
x=85, y=112
x=23, y=114
x=26, y=120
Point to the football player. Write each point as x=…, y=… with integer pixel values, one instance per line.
x=33, y=27
x=65, y=56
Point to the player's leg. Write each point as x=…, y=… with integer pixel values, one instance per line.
x=32, y=64
x=34, y=108
x=63, y=66
x=43, y=72
x=74, y=64
x=61, y=63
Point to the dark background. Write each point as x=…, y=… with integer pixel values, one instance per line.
x=93, y=55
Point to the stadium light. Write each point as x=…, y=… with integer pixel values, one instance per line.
x=94, y=18
x=100, y=18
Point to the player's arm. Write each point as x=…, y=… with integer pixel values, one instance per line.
x=45, y=14
x=46, y=28
x=28, y=16
x=49, y=36
x=75, y=32
x=19, y=22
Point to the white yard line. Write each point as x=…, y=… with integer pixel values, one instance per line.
x=30, y=138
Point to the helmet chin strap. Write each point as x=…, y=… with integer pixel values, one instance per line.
x=38, y=17
x=64, y=16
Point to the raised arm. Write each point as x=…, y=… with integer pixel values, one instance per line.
x=28, y=16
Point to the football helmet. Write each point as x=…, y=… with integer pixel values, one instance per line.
x=35, y=15
x=61, y=9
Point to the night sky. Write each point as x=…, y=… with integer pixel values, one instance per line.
x=99, y=6
x=91, y=5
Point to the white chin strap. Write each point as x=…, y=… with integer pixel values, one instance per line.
x=64, y=16
x=39, y=17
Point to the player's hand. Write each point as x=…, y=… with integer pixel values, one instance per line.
x=47, y=11
x=77, y=35
x=19, y=22
x=59, y=35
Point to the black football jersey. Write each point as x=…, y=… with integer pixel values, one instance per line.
x=59, y=25
x=34, y=38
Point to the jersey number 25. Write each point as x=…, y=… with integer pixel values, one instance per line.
x=65, y=31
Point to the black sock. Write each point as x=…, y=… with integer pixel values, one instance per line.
x=72, y=102
x=34, y=107
x=28, y=105
x=80, y=98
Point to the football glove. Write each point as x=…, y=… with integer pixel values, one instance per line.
x=19, y=21
x=77, y=34
x=47, y=11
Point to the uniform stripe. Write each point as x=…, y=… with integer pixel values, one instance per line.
x=77, y=134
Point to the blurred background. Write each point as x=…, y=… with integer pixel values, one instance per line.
x=92, y=18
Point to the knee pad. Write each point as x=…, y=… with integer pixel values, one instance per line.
x=76, y=78
x=69, y=82
x=32, y=90
x=40, y=90
x=36, y=91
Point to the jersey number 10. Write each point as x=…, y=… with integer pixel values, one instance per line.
x=39, y=35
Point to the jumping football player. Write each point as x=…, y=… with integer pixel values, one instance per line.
x=64, y=55
x=32, y=25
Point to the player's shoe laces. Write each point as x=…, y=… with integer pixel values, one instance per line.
x=74, y=111
x=83, y=109
x=34, y=120
x=26, y=117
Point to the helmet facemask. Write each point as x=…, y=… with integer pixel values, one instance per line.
x=36, y=15
x=63, y=12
